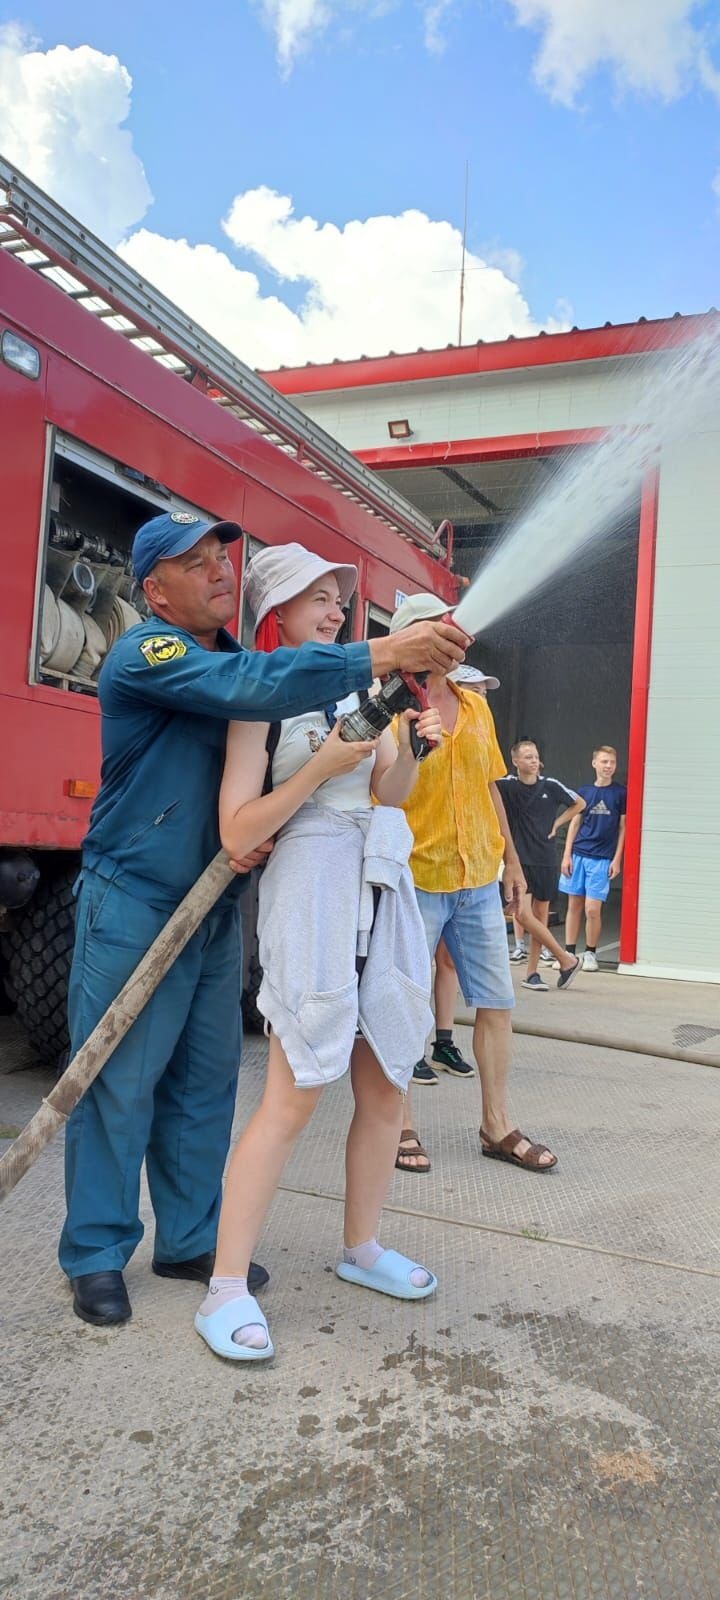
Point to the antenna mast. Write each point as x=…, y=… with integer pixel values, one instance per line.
x=464, y=246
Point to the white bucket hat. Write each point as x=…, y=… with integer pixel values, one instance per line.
x=282, y=571
x=418, y=608
x=470, y=675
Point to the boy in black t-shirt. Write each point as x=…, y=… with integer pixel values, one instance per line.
x=531, y=802
x=593, y=853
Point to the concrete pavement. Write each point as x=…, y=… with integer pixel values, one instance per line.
x=545, y=1428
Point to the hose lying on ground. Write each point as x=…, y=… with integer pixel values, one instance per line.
x=143, y=982
x=633, y=1047
x=116, y=1022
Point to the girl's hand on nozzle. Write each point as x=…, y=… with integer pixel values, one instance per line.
x=428, y=725
x=337, y=755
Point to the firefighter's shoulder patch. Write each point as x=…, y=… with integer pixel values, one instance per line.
x=161, y=648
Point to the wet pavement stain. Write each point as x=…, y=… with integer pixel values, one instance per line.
x=630, y=1466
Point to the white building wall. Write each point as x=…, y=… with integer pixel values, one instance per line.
x=679, y=902
x=486, y=405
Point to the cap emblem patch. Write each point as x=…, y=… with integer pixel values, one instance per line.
x=185, y=517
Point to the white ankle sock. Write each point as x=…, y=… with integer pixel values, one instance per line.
x=365, y=1255
x=220, y=1291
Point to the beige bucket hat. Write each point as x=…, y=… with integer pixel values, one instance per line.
x=281, y=571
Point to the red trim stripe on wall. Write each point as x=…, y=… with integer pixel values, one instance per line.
x=506, y=447
x=642, y=649
x=504, y=355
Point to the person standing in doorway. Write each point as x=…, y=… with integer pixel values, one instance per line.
x=531, y=802
x=593, y=854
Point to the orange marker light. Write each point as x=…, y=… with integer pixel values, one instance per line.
x=80, y=788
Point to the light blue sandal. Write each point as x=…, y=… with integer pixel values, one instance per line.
x=390, y=1275
x=217, y=1330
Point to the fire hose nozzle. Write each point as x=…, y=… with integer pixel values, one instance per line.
x=401, y=691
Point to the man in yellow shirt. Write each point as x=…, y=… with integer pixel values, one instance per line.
x=461, y=837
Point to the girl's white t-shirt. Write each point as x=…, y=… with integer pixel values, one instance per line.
x=300, y=739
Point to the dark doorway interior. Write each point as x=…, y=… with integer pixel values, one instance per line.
x=564, y=656
x=564, y=660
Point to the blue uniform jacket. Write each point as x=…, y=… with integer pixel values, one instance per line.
x=166, y=703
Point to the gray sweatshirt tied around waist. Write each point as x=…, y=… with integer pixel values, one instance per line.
x=316, y=917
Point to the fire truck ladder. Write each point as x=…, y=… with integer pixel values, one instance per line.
x=38, y=232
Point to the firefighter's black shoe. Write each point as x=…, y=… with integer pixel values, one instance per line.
x=422, y=1073
x=101, y=1298
x=449, y=1059
x=199, y=1269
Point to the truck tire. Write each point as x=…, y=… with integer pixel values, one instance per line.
x=37, y=951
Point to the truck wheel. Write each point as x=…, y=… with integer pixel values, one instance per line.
x=37, y=951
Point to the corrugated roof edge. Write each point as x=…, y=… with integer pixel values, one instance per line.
x=502, y=355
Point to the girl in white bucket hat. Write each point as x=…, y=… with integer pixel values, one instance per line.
x=346, y=974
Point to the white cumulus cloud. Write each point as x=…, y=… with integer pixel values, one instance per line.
x=433, y=15
x=655, y=47
x=61, y=122
x=369, y=285
x=381, y=283
x=295, y=23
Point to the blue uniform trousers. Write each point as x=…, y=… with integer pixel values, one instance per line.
x=166, y=1095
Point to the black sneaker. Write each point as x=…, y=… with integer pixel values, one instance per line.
x=534, y=981
x=566, y=978
x=422, y=1073
x=449, y=1059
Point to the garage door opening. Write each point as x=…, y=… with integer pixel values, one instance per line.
x=564, y=656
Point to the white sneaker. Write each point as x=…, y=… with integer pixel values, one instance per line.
x=546, y=957
x=590, y=962
x=519, y=953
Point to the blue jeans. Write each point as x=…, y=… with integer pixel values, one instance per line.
x=472, y=924
x=166, y=1095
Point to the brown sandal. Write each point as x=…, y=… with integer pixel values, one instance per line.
x=411, y=1155
x=504, y=1150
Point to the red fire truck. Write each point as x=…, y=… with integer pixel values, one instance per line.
x=113, y=405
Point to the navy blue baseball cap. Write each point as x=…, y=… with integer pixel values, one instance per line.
x=173, y=533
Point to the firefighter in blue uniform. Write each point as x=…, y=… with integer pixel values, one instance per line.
x=166, y=1096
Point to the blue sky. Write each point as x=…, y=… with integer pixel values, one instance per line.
x=594, y=164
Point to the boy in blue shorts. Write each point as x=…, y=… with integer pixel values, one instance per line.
x=593, y=854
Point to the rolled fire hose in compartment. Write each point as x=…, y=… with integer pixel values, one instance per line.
x=87, y=603
x=71, y=637
x=94, y=649
x=122, y=617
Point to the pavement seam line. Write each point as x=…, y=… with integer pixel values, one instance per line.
x=516, y=1233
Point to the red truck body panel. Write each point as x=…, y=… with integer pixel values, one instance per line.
x=110, y=395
